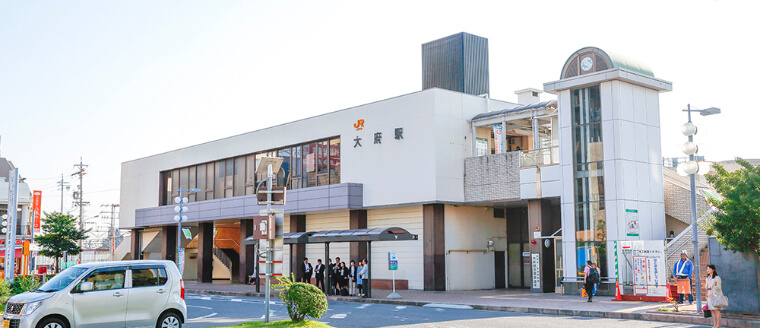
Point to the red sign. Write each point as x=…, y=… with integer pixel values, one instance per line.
x=36, y=206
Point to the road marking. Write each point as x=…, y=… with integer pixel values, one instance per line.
x=236, y=300
x=201, y=307
x=206, y=298
x=400, y=307
x=448, y=306
x=203, y=317
x=363, y=306
x=338, y=316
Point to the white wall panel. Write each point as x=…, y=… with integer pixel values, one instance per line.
x=323, y=221
x=568, y=191
x=639, y=105
x=563, y=108
x=643, y=187
x=628, y=140
x=469, y=228
x=605, y=90
x=410, y=253
x=642, y=142
x=610, y=180
x=653, y=107
x=629, y=187
x=655, y=145
x=626, y=102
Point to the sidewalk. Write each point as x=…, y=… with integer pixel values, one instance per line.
x=515, y=301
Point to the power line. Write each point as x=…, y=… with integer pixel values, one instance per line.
x=81, y=203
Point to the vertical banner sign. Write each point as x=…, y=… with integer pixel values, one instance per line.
x=181, y=261
x=536, y=270
x=640, y=275
x=498, y=137
x=36, y=205
x=392, y=261
x=632, y=222
x=10, y=237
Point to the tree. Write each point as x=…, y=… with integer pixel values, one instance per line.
x=59, y=234
x=737, y=221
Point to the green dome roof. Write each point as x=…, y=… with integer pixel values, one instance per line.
x=600, y=60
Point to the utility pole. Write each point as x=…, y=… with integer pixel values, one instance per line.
x=81, y=172
x=113, y=230
x=63, y=185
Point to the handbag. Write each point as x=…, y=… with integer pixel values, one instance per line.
x=718, y=301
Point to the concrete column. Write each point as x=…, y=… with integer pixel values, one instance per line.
x=169, y=243
x=205, y=251
x=247, y=259
x=434, y=247
x=358, y=220
x=136, y=250
x=540, y=220
x=298, y=224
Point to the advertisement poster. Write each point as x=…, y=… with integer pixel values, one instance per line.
x=37, y=208
x=181, y=255
x=498, y=137
x=481, y=147
x=640, y=275
x=536, y=270
x=632, y=222
x=654, y=266
x=392, y=261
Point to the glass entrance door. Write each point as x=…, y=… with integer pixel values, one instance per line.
x=558, y=273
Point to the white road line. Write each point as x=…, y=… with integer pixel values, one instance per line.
x=448, y=306
x=236, y=300
x=400, y=307
x=203, y=317
x=206, y=298
x=363, y=306
x=200, y=307
x=338, y=316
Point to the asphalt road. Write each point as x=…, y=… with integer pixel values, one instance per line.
x=221, y=311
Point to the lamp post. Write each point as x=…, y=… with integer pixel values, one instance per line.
x=179, y=218
x=692, y=169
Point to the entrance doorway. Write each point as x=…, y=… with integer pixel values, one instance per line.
x=518, y=250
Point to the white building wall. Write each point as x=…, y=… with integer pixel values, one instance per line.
x=469, y=229
x=410, y=252
x=568, y=192
x=325, y=221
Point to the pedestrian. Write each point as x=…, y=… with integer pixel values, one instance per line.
x=352, y=277
x=334, y=276
x=715, y=295
x=596, y=284
x=319, y=272
x=329, y=271
x=359, y=279
x=682, y=271
x=365, y=276
x=306, y=270
x=590, y=277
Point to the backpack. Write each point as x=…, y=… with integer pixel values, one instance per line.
x=593, y=276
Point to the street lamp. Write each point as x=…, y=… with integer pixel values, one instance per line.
x=693, y=168
x=179, y=218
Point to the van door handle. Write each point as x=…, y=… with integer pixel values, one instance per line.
x=118, y=294
x=161, y=291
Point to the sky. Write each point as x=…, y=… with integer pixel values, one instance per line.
x=113, y=81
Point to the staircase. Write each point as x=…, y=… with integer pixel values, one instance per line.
x=684, y=241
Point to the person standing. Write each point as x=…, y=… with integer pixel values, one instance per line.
x=590, y=277
x=306, y=270
x=365, y=277
x=319, y=273
x=714, y=287
x=352, y=278
x=682, y=271
x=596, y=284
x=334, y=278
x=359, y=279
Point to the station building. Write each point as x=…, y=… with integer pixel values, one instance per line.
x=500, y=194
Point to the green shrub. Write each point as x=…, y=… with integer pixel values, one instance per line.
x=5, y=291
x=302, y=299
x=24, y=284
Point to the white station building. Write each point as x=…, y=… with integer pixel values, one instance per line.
x=499, y=194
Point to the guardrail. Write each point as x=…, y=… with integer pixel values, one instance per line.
x=539, y=157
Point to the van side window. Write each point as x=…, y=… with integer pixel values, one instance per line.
x=148, y=276
x=107, y=278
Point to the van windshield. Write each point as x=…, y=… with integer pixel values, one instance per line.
x=63, y=279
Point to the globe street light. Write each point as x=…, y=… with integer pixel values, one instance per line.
x=693, y=168
x=179, y=218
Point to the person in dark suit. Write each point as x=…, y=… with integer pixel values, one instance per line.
x=319, y=272
x=335, y=276
x=306, y=271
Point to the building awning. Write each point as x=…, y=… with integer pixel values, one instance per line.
x=509, y=111
x=18, y=253
x=344, y=236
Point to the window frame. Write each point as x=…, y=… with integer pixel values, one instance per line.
x=148, y=267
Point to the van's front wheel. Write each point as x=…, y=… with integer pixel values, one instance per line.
x=169, y=320
x=52, y=323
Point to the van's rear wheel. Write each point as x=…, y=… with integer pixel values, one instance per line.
x=52, y=323
x=169, y=320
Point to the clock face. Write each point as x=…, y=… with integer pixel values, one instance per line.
x=586, y=63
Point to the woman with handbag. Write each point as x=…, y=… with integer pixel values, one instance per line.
x=716, y=301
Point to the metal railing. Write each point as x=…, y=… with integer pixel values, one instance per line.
x=223, y=258
x=539, y=157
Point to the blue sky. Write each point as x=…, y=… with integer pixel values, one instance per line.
x=113, y=81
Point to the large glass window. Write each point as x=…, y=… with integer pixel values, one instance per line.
x=239, y=176
x=284, y=175
x=229, y=171
x=322, y=163
x=295, y=168
x=334, y=161
x=193, y=183
x=107, y=279
x=148, y=276
x=201, y=174
x=219, y=182
x=210, y=181
x=590, y=214
x=310, y=164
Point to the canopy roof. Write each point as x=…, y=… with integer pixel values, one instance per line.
x=515, y=110
x=344, y=236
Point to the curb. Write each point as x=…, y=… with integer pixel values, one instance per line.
x=648, y=316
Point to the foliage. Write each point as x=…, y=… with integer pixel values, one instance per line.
x=5, y=291
x=737, y=221
x=60, y=234
x=282, y=324
x=24, y=284
x=302, y=299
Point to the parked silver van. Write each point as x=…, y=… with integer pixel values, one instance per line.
x=106, y=294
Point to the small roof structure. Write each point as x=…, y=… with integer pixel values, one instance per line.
x=343, y=236
x=515, y=110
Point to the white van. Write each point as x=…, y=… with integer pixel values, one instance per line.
x=106, y=294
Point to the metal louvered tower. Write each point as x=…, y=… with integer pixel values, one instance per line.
x=457, y=62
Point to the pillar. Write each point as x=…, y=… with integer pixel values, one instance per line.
x=169, y=243
x=433, y=247
x=540, y=220
x=205, y=251
x=136, y=250
x=298, y=224
x=247, y=260
x=357, y=220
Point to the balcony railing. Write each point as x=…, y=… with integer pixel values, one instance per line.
x=539, y=157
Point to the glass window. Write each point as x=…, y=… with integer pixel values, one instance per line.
x=219, y=182
x=209, y=181
x=62, y=280
x=284, y=175
x=229, y=174
x=296, y=168
x=590, y=222
x=250, y=178
x=201, y=183
x=107, y=279
x=589, y=182
x=167, y=185
x=148, y=276
x=334, y=161
x=175, y=185
x=259, y=177
x=239, y=176
x=310, y=164
x=322, y=163
x=192, y=185
x=595, y=252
